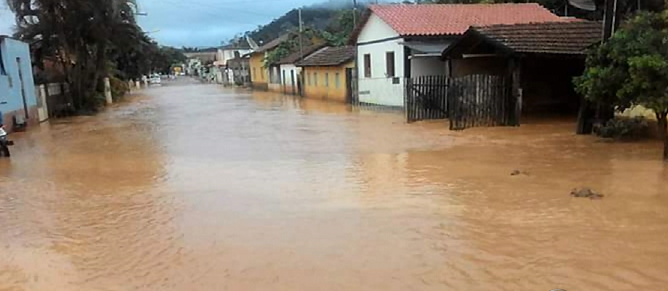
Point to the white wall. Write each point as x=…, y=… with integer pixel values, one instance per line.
x=288, y=69
x=427, y=66
x=379, y=89
x=375, y=29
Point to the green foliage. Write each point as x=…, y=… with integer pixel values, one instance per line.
x=631, y=68
x=118, y=88
x=624, y=128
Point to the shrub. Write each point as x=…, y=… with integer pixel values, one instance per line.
x=623, y=128
x=118, y=88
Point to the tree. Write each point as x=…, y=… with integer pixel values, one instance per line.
x=631, y=68
x=80, y=34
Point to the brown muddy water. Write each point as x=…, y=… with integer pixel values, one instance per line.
x=196, y=187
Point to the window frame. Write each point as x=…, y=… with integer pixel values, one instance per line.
x=390, y=64
x=367, y=65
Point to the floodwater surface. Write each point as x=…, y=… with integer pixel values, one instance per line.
x=197, y=187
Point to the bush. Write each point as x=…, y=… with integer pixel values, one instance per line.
x=118, y=88
x=623, y=128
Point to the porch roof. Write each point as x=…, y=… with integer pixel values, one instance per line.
x=563, y=38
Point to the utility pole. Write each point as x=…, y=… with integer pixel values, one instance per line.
x=301, y=31
x=355, y=78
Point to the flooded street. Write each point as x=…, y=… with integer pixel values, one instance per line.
x=198, y=187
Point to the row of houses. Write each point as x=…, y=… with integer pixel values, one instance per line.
x=473, y=63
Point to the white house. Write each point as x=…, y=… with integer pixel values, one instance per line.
x=399, y=41
x=290, y=73
x=224, y=74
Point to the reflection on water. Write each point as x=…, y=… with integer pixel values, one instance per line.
x=197, y=187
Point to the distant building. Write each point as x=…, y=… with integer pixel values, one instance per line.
x=227, y=53
x=239, y=70
x=328, y=73
x=17, y=88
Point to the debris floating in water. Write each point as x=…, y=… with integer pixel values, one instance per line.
x=586, y=193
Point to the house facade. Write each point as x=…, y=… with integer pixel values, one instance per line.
x=17, y=87
x=328, y=74
x=240, y=70
x=260, y=75
x=291, y=78
x=399, y=41
x=227, y=53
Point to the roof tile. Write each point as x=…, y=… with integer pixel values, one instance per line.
x=329, y=56
x=555, y=37
x=455, y=19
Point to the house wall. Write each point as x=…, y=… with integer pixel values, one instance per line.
x=427, y=66
x=483, y=65
x=323, y=89
x=10, y=82
x=289, y=84
x=275, y=79
x=377, y=38
x=259, y=74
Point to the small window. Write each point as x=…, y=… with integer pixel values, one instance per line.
x=283, y=77
x=326, y=79
x=367, y=66
x=315, y=79
x=254, y=73
x=337, y=80
x=308, y=79
x=389, y=64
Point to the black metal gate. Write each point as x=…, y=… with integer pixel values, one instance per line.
x=426, y=98
x=480, y=100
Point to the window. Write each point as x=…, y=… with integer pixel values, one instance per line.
x=337, y=80
x=367, y=66
x=262, y=74
x=308, y=79
x=326, y=79
x=254, y=73
x=283, y=77
x=315, y=79
x=389, y=64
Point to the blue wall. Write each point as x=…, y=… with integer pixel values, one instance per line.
x=10, y=49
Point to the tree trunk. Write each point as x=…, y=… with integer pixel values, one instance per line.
x=663, y=132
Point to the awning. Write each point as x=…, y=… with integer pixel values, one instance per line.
x=427, y=48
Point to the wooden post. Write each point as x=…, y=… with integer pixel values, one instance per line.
x=516, y=90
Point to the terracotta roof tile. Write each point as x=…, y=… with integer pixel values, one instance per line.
x=555, y=37
x=296, y=56
x=329, y=56
x=455, y=19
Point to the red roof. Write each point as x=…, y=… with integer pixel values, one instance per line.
x=455, y=19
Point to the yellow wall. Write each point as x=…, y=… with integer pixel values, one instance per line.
x=321, y=90
x=258, y=73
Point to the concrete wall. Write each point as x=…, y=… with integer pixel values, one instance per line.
x=326, y=85
x=17, y=88
x=376, y=39
x=427, y=66
x=288, y=83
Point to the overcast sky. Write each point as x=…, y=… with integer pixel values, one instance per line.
x=197, y=22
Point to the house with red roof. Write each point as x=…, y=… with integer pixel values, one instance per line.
x=399, y=41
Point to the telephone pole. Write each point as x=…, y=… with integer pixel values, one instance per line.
x=301, y=31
